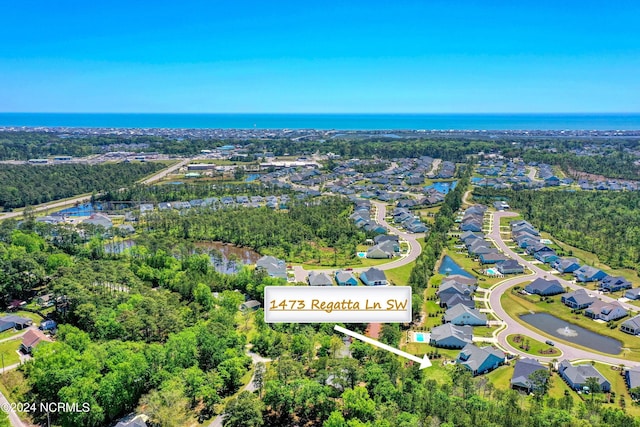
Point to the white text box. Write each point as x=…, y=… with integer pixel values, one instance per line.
x=357, y=304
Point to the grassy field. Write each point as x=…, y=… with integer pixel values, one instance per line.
x=515, y=306
x=9, y=349
x=505, y=221
x=535, y=347
x=399, y=276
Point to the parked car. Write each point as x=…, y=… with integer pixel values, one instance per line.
x=549, y=342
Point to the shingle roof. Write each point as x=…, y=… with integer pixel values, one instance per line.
x=525, y=367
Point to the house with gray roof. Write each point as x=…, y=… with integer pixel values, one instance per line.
x=346, y=278
x=586, y=273
x=382, y=250
x=480, y=360
x=451, y=287
x=462, y=315
x=631, y=326
x=459, y=278
x=492, y=258
x=606, y=311
x=614, y=284
x=566, y=265
x=510, y=266
x=14, y=322
x=632, y=378
x=522, y=371
x=316, y=278
x=544, y=287
x=99, y=219
x=374, y=277
x=577, y=300
x=576, y=376
x=452, y=300
x=633, y=294
x=273, y=266
x=451, y=336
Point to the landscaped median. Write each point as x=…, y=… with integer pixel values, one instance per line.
x=531, y=346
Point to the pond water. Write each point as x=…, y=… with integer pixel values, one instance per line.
x=579, y=335
x=85, y=209
x=252, y=177
x=443, y=187
x=448, y=266
x=227, y=258
x=118, y=247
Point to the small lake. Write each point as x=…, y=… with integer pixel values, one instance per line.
x=551, y=324
x=448, y=266
x=85, y=209
x=443, y=187
x=226, y=258
x=252, y=177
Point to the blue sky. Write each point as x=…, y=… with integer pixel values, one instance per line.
x=320, y=56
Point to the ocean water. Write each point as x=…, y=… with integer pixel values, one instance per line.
x=331, y=121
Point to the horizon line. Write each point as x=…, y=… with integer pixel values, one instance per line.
x=332, y=113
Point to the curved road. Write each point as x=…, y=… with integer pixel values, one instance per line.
x=412, y=254
x=82, y=199
x=514, y=327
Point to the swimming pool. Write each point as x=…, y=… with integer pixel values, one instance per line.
x=492, y=271
x=421, y=337
x=362, y=254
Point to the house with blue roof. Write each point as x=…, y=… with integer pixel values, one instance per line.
x=546, y=256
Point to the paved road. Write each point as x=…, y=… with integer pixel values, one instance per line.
x=251, y=387
x=83, y=199
x=412, y=254
x=512, y=326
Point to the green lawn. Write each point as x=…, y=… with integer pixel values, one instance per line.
x=505, y=221
x=8, y=349
x=515, y=306
x=501, y=377
x=399, y=276
x=483, y=331
x=535, y=347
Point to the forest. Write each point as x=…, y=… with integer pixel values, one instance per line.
x=24, y=185
x=318, y=231
x=605, y=223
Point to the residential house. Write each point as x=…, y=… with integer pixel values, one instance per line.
x=566, y=265
x=374, y=277
x=470, y=235
x=273, y=266
x=578, y=300
x=480, y=360
x=251, y=305
x=31, y=339
x=492, y=258
x=452, y=300
x=459, y=278
x=14, y=322
x=527, y=228
x=544, y=287
x=386, y=249
x=462, y=315
x=631, y=326
x=522, y=372
x=45, y=300
x=381, y=238
x=632, y=378
x=605, y=310
x=48, y=325
x=633, y=294
x=319, y=279
x=451, y=336
x=546, y=256
x=586, y=273
x=509, y=266
x=472, y=225
x=346, y=278
x=576, y=376
x=99, y=219
x=614, y=284
x=133, y=421
x=452, y=287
